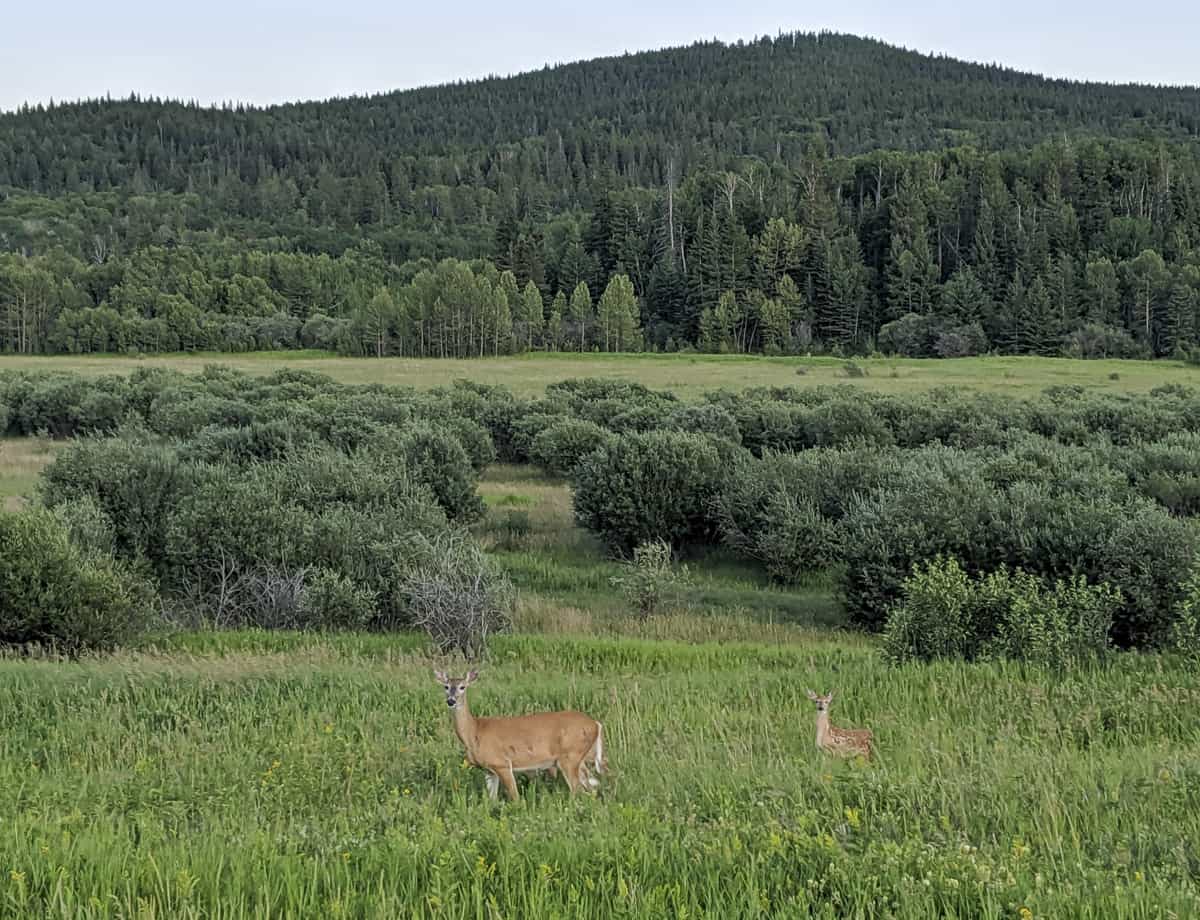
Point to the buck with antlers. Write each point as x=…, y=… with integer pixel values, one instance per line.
x=553, y=741
x=844, y=741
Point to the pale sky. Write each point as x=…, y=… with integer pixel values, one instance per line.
x=265, y=51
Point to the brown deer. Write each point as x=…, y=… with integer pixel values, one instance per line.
x=845, y=742
x=553, y=741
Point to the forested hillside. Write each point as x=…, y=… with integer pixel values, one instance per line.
x=803, y=193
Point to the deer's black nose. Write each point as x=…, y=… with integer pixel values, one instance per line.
x=449, y=702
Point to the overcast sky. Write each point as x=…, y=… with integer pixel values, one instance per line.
x=265, y=51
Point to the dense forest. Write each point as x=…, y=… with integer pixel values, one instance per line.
x=798, y=194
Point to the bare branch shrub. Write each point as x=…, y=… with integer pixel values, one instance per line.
x=457, y=595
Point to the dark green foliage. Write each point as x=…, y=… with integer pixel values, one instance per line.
x=330, y=600
x=436, y=459
x=560, y=448
x=474, y=439
x=650, y=486
x=710, y=419
x=57, y=594
x=137, y=484
x=1026, y=210
x=1003, y=614
x=1046, y=531
x=62, y=405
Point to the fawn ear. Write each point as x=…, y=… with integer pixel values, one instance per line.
x=471, y=678
x=829, y=696
x=812, y=696
x=441, y=676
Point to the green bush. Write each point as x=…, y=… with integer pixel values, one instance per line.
x=437, y=459
x=475, y=441
x=649, y=486
x=560, y=448
x=525, y=430
x=649, y=579
x=705, y=419
x=54, y=594
x=136, y=483
x=1184, y=635
x=330, y=600
x=65, y=405
x=273, y=440
x=1004, y=614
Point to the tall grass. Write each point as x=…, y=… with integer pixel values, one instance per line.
x=252, y=776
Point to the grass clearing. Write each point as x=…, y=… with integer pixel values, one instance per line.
x=688, y=375
x=251, y=775
x=21, y=460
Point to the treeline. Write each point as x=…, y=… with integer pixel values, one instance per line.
x=917, y=205
x=1088, y=251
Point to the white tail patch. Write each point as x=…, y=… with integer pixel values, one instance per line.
x=599, y=748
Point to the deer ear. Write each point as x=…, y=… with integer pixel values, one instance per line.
x=811, y=695
x=829, y=696
x=440, y=675
x=472, y=677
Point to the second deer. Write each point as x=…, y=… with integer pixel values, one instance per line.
x=846, y=742
x=553, y=741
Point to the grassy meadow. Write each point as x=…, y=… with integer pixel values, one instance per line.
x=252, y=774
x=688, y=375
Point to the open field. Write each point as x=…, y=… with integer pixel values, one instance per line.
x=688, y=375
x=249, y=775
x=21, y=459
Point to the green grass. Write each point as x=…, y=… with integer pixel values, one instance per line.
x=21, y=460
x=689, y=375
x=253, y=776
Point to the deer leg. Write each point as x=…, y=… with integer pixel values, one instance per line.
x=571, y=772
x=493, y=786
x=510, y=783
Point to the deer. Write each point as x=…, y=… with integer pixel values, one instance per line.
x=845, y=742
x=506, y=746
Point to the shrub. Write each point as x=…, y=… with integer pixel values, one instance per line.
x=525, y=429
x=1048, y=532
x=330, y=600
x=1096, y=340
x=52, y=593
x=261, y=441
x=649, y=578
x=1184, y=635
x=705, y=419
x=437, y=459
x=654, y=485
x=137, y=485
x=560, y=448
x=475, y=441
x=961, y=341
x=853, y=369
x=4, y=417
x=65, y=405
x=1004, y=614
x=457, y=595
x=87, y=526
